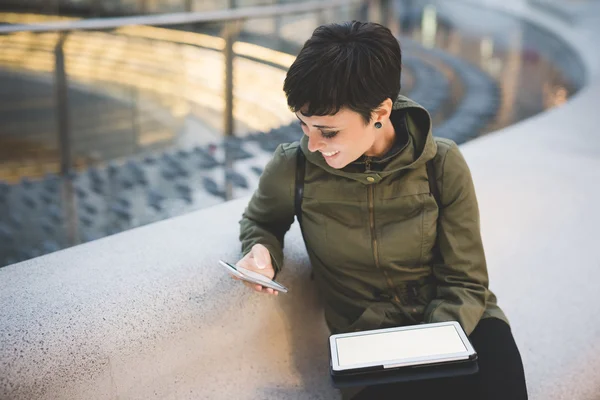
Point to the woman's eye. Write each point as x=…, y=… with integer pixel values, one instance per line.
x=329, y=135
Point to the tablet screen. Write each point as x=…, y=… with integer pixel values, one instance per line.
x=397, y=345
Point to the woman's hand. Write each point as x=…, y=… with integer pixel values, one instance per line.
x=259, y=261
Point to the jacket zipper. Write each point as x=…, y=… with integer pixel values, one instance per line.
x=374, y=236
x=375, y=247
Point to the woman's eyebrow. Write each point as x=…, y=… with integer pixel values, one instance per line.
x=316, y=126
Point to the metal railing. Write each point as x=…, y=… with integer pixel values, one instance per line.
x=135, y=83
x=231, y=15
x=93, y=8
x=231, y=18
x=198, y=35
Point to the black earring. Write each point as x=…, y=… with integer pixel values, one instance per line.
x=378, y=125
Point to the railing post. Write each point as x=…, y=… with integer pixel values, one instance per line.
x=64, y=138
x=321, y=18
x=362, y=11
x=374, y=11
x=277, y=20
x=62, y=104
x=230, y=33
x=135, y=120
x=386, y=12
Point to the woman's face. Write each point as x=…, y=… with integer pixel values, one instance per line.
x=344, y=137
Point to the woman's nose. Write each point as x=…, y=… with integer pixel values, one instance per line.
x=314, y=143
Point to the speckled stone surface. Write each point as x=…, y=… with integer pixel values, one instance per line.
x=149, y=313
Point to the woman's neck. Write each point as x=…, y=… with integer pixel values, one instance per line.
x=383, y=142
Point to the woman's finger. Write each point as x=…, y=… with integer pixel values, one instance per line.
x=259, y=288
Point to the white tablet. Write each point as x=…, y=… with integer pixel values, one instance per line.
x=253, y=277
x=415, y=345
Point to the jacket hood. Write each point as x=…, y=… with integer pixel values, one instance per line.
x=421, y=147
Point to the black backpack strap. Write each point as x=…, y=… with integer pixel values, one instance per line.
x=299, y=192
x=435, y=191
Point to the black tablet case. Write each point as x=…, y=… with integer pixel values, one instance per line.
x=402, y=374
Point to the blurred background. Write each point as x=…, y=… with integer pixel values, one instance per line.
x=119, y=113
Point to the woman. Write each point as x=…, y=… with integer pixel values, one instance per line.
x=385, y=249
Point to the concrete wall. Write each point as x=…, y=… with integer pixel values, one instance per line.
x=149, y=313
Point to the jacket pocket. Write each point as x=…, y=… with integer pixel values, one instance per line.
x=337, y=231
x=400, y=225
x=372, y=318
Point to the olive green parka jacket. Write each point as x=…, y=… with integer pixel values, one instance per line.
x=370, y=233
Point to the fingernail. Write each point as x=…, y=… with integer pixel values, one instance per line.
x=260, y=264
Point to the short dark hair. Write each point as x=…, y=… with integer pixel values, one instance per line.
x=352, y=64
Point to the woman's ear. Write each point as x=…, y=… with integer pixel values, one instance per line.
x=383, y=112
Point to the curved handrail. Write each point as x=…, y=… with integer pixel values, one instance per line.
x=182, y=17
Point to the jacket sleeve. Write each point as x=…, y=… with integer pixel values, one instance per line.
x=462, y=281
x=270, y=212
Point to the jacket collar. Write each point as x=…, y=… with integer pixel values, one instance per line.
x=418, y=146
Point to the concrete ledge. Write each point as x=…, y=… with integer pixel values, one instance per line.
x=149, y=314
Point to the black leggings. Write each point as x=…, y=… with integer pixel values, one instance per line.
x=500, y=376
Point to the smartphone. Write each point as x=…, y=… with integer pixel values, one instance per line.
x=253, y=277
